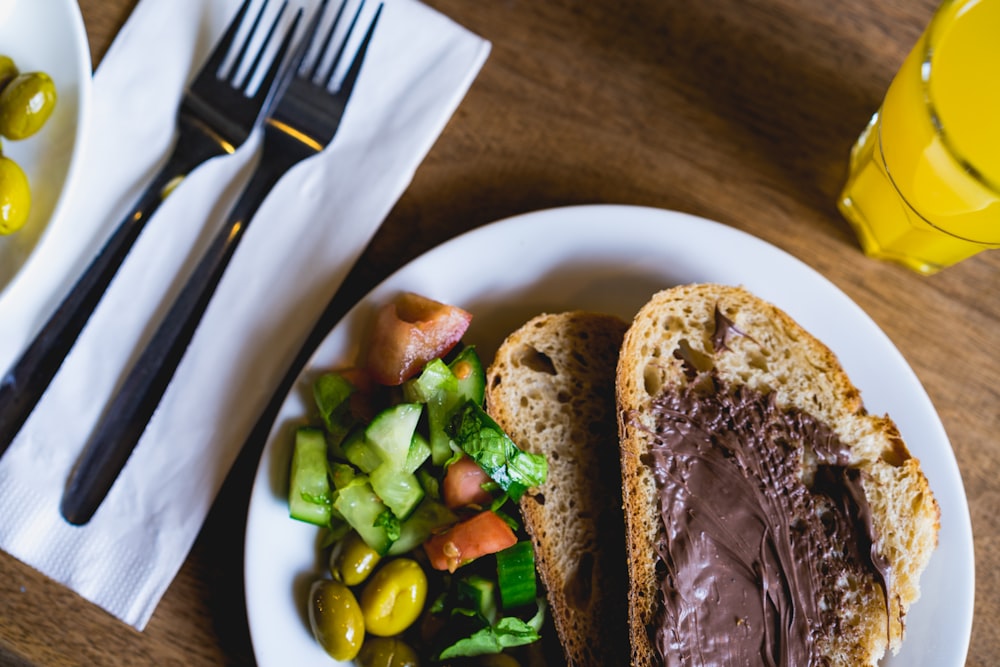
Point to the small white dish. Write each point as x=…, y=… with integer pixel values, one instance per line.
x=612, y=259
x=49, y=36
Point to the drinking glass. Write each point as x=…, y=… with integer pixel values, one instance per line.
x=923, y=187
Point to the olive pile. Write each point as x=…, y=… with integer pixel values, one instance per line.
x=26, y=102
x=366, y=627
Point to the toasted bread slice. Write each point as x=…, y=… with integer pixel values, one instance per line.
x=551, y=388
x=698, y=370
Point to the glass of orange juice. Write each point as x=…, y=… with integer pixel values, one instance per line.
x=923, y=187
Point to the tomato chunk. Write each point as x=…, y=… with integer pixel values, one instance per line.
x=409, y=332
x=463, y=484
x=479, y=535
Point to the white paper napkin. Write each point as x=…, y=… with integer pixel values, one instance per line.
x=295, y=253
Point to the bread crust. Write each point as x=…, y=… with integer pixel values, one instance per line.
x=775, y=356
x=551, y=388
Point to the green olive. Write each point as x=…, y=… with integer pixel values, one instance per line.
x=15, y=196
x=394, y=597
x=8, y=70
x=25, y=104
x=336, y=619
x=387, y=652
x=352, y=560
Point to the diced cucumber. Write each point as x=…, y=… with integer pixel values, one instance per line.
x=359, y=452
x=332, y=393
x=391, y=432
x=468, y=370
x=479, y=594
x=431, y=484
x=437, y=411
x=429, y=516
x=362, y=509
x=309, y=496
x=435, y=378
x=398, y=489
x=341, y=474
x=516, y=574
x=420, y=451
x=470, y=384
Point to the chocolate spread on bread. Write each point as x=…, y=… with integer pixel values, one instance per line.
x=764, y=523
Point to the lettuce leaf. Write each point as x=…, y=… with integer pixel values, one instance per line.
x=485, y=442
x=507, y=632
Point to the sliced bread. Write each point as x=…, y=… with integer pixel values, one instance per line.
x=551, y=388
x=742, y=442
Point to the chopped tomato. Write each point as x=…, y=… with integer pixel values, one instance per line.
x=463, y=484
x=411, y=331
x=479, y=535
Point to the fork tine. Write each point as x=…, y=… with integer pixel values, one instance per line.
x=265, y=85
x=214, y=62
x=299, y=54
x=347, y=85
x=263, y=47
x=245, y=46
x=329, y=36
x=326, y=78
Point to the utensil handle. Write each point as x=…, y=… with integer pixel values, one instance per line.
x=133, y=405
x=24, y=383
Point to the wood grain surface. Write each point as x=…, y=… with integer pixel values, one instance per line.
x=742, y=111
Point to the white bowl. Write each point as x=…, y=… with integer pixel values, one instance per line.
x=46, y=35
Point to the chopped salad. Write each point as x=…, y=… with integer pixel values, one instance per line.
x=415, y=488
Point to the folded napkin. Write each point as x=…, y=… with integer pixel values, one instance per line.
x=302, y=242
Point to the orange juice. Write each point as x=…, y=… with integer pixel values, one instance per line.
x=924, y=181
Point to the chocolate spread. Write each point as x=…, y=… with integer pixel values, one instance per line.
x=764, y=522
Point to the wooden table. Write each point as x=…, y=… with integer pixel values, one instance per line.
x=737, y=110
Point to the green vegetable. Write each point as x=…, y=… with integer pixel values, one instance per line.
x=341, y=474
x=508, y=632
x=309, y=497
x=388, y=522
x=516, y=574
x=444, y=388
x=468, y=369
x=398, y=489
x=486, y=443
x=431, y=484
x=420, y=451
x=478, y=594
x=367, y=514
x=429, y=516
x=434, y=379
x=359, y=451
x=332, y=393
x=390, y=433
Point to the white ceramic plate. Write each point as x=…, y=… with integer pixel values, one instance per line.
x=612, y=259
x=46, y=35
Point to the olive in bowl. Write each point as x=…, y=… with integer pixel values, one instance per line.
x=26, y=103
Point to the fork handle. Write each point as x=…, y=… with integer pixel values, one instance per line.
x=133, y=405
x=23, y=384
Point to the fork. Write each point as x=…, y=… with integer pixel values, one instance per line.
x=303, y=120
x=216, y=115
